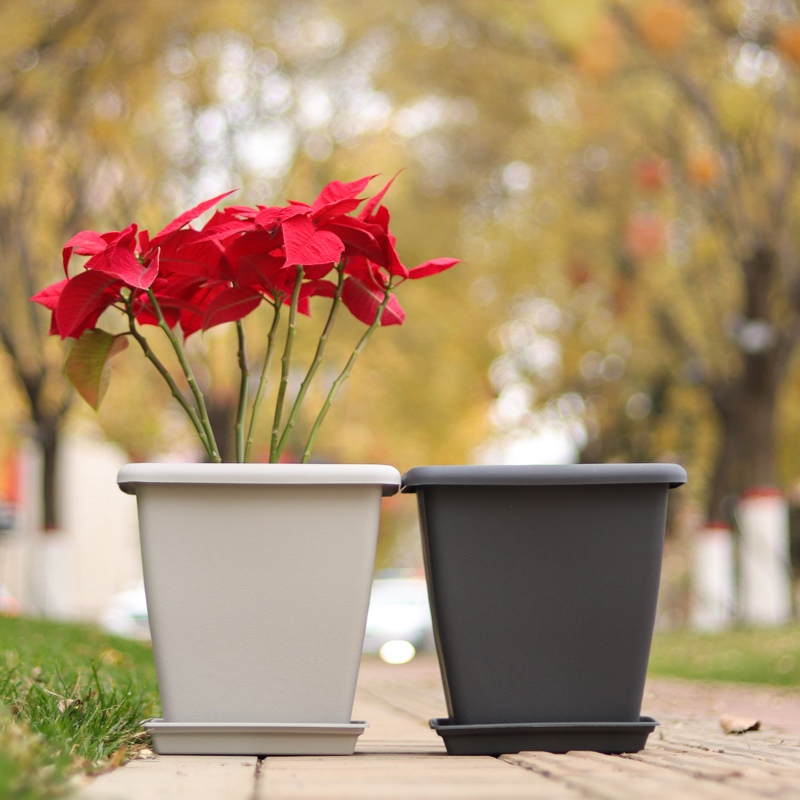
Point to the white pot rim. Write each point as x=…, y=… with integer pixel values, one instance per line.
x=388, y=478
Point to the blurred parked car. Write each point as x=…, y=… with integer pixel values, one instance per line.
x=399, y=615
x=126, y=614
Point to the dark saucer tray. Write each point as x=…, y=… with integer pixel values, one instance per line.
x=548, y=737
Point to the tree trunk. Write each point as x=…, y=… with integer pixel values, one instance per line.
x=746, y=404
x=46, y=418
x=48, y=436
x=746, y=453
x=222, y=416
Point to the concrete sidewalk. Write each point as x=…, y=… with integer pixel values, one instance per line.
x=399, y=756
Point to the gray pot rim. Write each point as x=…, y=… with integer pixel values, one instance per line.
x=543, y=475
x=388, y=478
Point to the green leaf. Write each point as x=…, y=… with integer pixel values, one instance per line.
x=87, y=366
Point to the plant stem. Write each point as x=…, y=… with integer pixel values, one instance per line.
x=176, y=392
x=285, y=361
x=242, y=410
x=345, y=374
x=187, y=371
x=337, y=297
x=262, y=384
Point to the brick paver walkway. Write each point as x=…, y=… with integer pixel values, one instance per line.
x=400, y=757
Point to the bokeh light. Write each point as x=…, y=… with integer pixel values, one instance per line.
x=397, y=652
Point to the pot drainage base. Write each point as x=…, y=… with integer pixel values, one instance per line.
x=548, y=737
x=254, y=738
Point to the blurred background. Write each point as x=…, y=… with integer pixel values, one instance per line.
x=619, y=178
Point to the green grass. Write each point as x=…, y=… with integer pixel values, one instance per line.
x=747, y=655
x=72, y=699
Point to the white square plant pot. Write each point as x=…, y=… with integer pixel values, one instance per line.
x=258, y=579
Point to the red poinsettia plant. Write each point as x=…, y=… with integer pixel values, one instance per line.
x=185, y=280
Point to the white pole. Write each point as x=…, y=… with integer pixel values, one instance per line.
x=713, y=590
x=764, y=571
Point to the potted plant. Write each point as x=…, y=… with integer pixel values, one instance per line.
x=257, y=575
x=543, y=583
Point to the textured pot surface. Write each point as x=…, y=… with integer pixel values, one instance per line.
x=543, y=587
x=257, y=591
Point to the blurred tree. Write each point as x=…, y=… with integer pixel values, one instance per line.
x=303, y=97
x=656, y=182
x=618, y=177
x=115, y=111
x=729, y=78
x=31, y=196
x=78, y=114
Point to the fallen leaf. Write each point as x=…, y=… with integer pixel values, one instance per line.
x=731, y=724
x=117, y=756
x=65, y=704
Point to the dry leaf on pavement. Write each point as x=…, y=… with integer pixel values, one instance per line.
x=731, y=724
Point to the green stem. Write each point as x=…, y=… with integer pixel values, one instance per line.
x=285, y=361
x=337, y=297
x=242, y=410
x=176, y=392
x=345, y=374
x=187, y=371
x=262, y=384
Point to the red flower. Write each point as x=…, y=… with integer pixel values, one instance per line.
x=77, y=303
x=202, y=278
x=241, y=256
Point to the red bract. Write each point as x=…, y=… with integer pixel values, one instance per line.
x=85, y=243
x=366, y=271
x=192, y=312
x=431, y=267
x=49, y=298
x=338, y=198
x=186, y=254
x=364, y=299
x=204, y=278
x=356, y=236
x=114, y=253
x=231, y=304
x=173, y=297
x=372, y=204
x=318, y=289
x=188, y=216
x=242, y=258
x=83, y=299
x=256, y=259
x=272, y=218
x=224, y=229
x=304, y=244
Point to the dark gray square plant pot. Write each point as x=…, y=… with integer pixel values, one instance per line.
x=543, y=583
